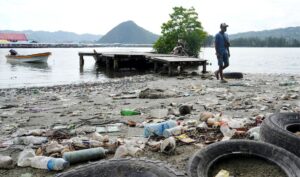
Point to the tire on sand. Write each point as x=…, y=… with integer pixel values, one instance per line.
x=202, y=161
x=233, y=75
x=127, y=167
x=279, y=129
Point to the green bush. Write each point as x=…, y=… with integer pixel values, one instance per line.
x=183, y=25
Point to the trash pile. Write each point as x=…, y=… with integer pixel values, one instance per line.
x=85, y=129
x=164, y=129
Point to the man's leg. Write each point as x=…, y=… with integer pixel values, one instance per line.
x=221, y=72
x=220, y=64
x=217, y=74
x=226, y=64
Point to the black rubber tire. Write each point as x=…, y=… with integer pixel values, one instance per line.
x=127, y=167
x=201, y=162
x=274, y=130
x=233, y=75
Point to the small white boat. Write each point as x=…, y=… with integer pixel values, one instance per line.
x=33, y=58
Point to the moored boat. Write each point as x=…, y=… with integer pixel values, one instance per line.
x=38, y=57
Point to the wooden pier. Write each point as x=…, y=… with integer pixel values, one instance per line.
x=115, y=60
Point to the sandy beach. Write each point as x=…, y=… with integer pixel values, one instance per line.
x=92, y=104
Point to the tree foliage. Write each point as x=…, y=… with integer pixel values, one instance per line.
x=183, y=25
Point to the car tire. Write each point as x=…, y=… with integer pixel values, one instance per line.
x=276, y=130
x=233, y=75
x=127, y=167
x=202, y=161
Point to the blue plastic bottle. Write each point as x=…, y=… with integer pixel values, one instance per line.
x=158, y=128
x=57, y=164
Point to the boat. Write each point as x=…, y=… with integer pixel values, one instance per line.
x=33, y=58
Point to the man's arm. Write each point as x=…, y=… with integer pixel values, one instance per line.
x=217, y=45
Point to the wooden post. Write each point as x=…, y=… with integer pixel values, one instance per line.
x=116, y=64
x=155, y=67
x=107, y=63
x=170, y=69
x=81, y=60
x=204, y=67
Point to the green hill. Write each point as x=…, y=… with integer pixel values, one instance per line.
x=129, y=33
x=290, y=33
x=57, y=37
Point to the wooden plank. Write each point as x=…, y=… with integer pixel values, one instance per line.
x=177, y=59
x=88, y=54
x=153, y=55
x=123, y=55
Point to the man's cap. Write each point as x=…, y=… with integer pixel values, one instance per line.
x=223, y=25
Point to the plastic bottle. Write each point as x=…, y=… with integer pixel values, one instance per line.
x=227, y=132
x=129, y=112
x=27, y=140
x=173, y=131
x=49, y=163
x=158, y=128
x=57, y=164
x=84, y=155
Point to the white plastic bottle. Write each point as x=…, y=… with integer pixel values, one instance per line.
x=40, y=162
x=49, y=163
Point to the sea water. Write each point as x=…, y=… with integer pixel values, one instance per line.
x=63, y=65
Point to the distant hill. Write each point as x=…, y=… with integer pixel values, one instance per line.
x=129, y=33
x=290, y=33
x=57, y=37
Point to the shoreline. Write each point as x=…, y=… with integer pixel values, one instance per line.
x=76, y=105
x=119, y=79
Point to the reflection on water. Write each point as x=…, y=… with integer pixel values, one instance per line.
x=44, y=67
x=101, y=71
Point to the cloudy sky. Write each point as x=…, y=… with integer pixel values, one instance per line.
x=99, y=16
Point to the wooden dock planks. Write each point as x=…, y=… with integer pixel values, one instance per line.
x=114, y=58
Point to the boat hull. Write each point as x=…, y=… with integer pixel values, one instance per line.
x=34, y=58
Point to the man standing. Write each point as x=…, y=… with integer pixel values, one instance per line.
x=222, y=51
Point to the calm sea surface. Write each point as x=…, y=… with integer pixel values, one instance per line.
x=63, y=65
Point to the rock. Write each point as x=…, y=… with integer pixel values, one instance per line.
x=53, y=147
x=206, y=115
x=85, y=129
x=26, y=175
x=264, y=108
x=6, y=162
x=156, y=93
x=159, y=113
x=294, y=96
x=185, y=109
x=168, y=145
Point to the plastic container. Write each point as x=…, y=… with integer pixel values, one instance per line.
x=227, y=132
x=57, y=164
x=84, y=155
x=48, y=163
x=27, y=140
x=158, y=128
x=24, y=158
x=129, y=112
x=173, y=131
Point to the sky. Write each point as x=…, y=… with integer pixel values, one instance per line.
x=99, y=16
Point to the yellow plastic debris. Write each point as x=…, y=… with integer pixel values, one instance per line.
x=223, y=173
